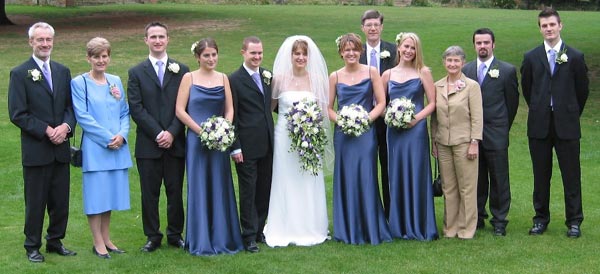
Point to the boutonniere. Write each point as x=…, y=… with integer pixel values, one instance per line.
x=562, y=57
x=173, y=67
x=459, y=85
x=35, y=75
x=384, y=54
x=114, y=91
x=494, y=72
x=267, y=76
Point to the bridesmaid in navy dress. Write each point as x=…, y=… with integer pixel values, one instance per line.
x=358, y=215
x=212, y=219
x=412, y=213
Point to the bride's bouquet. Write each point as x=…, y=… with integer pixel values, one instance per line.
x=217, y=133
x=399, y=113
x=353, y=120
x=305, y=129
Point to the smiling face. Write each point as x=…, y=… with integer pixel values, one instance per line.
x=407, y=50
x=42, y=41
x=550, y=28
x=484, y=46
x=350, y=53
x=253, y=55
x=157, y=40
x=208, y=59
x=372, y=29
x=453, y=64
x=99, y=61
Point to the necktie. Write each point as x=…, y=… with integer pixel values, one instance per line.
x=256, y=79
x=161, y=71
x=551, y=60
x=481, y=73
x=47, y=74
x=373, y=61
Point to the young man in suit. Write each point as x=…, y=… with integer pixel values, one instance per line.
x=253, y=148
x=39, y=103
x=555, y=85
x=382, y=55
x=160, y=139
x=500, y=96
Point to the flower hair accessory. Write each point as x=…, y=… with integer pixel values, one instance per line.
x=194, y=45
x=35, y=75
x=267, y=76
x=114, y=91
x=561, y=56
x=338, y=40
x=399, y=37
x=173, y=67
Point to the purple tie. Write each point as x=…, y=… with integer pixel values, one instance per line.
x=47, y=74
x=481, y=73
x=161, y=71
x=551, y=60
x=373, y=61
x=256, y=79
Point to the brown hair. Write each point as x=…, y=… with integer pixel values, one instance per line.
x=96, y=46
x=204, y=43
x=248, y=40
x=351, y=39
x=548, y=12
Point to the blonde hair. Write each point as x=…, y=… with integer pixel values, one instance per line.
x=97, y=45
x=417, y=62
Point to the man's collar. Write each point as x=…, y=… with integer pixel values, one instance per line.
x=488, y=63
x=39, y=61
x=556, y=47
x=249, y=70
x=153, y=59
x=377, y=47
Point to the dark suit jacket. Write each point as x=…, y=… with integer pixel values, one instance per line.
x=568, y=86
x=253, y=119
x=32, y=106
x=152, y=107
x=500, y=98
x=385, y=63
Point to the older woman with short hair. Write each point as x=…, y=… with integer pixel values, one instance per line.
x=103, y=114
x=456, y=129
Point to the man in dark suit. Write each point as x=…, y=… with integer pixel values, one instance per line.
x=555, y=86
x=500, y=96
x=160, y=141
x=39, y=103
x=253, y=148
x=382, y=55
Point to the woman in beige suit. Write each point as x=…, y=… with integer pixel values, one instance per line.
x=456, y=129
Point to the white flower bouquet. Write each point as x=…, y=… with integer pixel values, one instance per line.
x=305, y=129
x=353, y=120
x=399, y=113
x=217, y=133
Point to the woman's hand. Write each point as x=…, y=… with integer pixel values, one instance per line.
x=116, y=142
x=473, y=150
x=434, y=151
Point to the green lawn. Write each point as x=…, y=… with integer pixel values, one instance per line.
x=516, y=32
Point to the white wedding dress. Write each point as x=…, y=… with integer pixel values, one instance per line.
x=297, y=207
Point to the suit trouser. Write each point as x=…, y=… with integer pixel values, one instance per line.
x=254, y=183
x=567, y=152
x=152, y=172
x=459, y=176
x=494, y=183
x=46, y=187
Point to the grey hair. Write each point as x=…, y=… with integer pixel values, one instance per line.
x=39, y=25
x=454, y=50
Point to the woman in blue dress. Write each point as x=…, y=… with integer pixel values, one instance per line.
x=103, y=114
x=412, y=212
x=358, y=215
x=212, y=219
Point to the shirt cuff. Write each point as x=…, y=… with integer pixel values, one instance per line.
x=236, y=151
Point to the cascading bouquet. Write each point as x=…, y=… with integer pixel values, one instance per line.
x=399, y=113
x=305, y=129
x=353, y=120
x=217, y=133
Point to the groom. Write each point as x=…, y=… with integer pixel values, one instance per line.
x=253, y=148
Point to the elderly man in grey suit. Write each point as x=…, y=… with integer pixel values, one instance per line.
x=500, y=96
x=39, y=103
x=555, y=86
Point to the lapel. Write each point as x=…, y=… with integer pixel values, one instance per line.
x=249, y=82
x=168, y=73
x=558, y=66
x=543, y=58
x=149, y=70
x=470, y=70
x=383, y=63
x=487, y=77
x=43, y=82
x=363, y=56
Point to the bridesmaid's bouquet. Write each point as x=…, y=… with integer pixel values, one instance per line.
x=399, y=113
x=217, y=133
x=305, y=129
x=353, y=120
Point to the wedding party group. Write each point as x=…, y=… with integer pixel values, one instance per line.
x=366, y=122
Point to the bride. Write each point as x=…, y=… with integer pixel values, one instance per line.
x=297, y=208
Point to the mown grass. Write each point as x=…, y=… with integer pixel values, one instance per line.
x=516, y=32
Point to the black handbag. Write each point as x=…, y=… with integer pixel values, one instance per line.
x=76, y=152
x=437, y=182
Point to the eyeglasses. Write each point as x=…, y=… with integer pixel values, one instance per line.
x=372, y=25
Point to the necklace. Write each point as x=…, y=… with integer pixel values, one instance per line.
x=99, y=81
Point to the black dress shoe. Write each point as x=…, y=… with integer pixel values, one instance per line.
x=261, y=238
x=103, y=256
x=499, y=231
x=537, y=229
x=251, y=247
x=178, y=243
x=150, y=246
x=115, y=250
x=573, y=231
x=35, y=256
x=60, y=250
